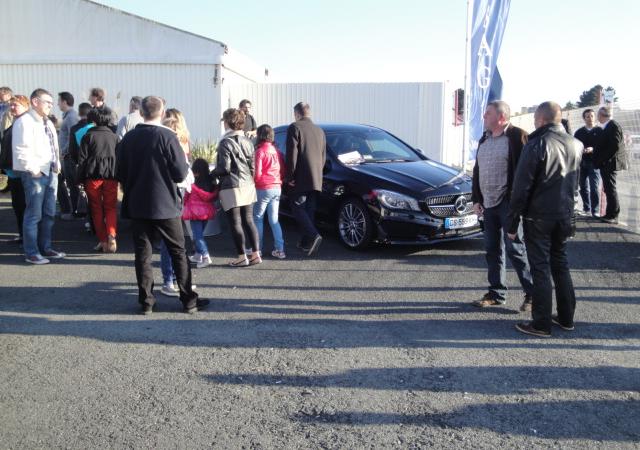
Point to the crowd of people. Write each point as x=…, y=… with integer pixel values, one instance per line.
x=524, y=187
x=82, y=161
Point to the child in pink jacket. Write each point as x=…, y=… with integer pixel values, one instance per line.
x=198, y=209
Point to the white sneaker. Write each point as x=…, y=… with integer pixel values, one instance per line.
x=170, y=290
x=195, y=258
x=206, y=262
x=37, y=260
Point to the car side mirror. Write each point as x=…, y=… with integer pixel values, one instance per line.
x=327, y=167
x=420, y=151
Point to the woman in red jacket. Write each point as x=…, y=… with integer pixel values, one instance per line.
x=198, y=208
x=268, y=178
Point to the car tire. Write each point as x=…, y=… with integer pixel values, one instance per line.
x=355, y=227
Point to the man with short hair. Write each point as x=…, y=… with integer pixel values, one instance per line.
x=36, y=156
x=496, y=161
x=151, y=163
x=250, y=124
x=97, y=99
x=589, y=135
x=544, y=192
x=306, y=155
x=67, y=187
x=610, y=156
x=129, y=122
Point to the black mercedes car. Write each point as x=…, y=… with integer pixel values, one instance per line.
x=376, y=188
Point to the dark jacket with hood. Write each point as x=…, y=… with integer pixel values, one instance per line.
x=97, y=155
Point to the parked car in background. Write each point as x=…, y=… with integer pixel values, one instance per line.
x=377, y=188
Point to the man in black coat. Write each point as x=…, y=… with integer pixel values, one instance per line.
x=589, y=135
x=150, y=164
x=610, y=156
x=544, y=191
x=306, y=155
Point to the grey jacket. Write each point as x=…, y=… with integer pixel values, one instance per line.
x=69, y=119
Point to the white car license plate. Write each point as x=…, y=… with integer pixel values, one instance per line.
x=452, y=223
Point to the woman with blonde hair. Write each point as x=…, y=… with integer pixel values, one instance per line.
x=174, y=119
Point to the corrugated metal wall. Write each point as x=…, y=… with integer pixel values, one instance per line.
x=415, y=112
x=188, y=88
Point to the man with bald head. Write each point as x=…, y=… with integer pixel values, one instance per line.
x=544, y=192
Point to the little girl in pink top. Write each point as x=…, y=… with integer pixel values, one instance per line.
x=269, y=172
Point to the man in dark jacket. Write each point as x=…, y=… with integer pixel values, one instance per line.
x=544, y=191
x=306, y=154
x=497, y=157
x=150, y=164
x=610, y=157
x=589, y=135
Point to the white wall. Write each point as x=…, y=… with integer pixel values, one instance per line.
x=188, y=88
x=412, y=111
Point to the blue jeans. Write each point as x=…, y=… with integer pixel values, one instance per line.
x=40, y=212
x=165, y=264
x=197, y=228
x=590, y=187
x=269, y=203
x=496, y=242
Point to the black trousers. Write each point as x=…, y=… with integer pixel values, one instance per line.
x=303, y=207
x=608, y=176
x=145, y=232
x=546, y=242
x=18, y=202
x=241, y=221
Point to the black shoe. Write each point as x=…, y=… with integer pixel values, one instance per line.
x=611, y=220
x=556, y=321
x=147, y=310
x=314, y=245
x=527, y=328
x=201, y=304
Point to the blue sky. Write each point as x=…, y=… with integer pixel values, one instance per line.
x=552, y=49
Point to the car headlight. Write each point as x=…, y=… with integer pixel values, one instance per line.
x=394, y=200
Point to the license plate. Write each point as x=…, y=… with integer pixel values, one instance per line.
x=452, y=223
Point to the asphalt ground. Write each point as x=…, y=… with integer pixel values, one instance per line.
x=379, y=349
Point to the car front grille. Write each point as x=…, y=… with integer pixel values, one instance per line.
x=444, y=205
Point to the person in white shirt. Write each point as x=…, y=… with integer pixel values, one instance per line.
x=36, y=156
x=129, y=122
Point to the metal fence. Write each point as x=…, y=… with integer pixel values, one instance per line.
x=628, y=116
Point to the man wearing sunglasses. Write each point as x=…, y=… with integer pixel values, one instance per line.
x=36, y=156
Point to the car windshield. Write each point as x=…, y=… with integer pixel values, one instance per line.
x=369, y=146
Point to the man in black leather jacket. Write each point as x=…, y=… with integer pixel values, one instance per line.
x=544, y=191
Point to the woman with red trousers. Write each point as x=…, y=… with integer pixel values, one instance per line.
x=97, y=171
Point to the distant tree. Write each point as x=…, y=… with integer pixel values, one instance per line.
x=569, y=105
x=590, y=97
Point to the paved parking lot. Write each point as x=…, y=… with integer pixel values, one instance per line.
x=344, y=350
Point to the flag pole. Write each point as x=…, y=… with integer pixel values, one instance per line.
x=467, y=87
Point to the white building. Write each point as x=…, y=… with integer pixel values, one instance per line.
x=91, y=45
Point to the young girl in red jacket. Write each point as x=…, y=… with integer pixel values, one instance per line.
x=268, y=178
x=198, y=209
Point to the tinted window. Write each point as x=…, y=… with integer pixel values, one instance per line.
x=371, y=145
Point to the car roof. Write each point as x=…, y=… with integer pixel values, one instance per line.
x=335, y=126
